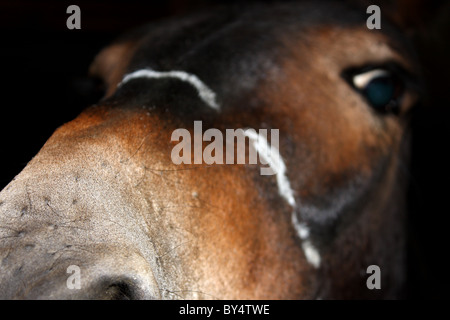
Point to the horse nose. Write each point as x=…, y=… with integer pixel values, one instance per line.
x=116, y=274
x=92, y=280
x=51, y=248
x=61, y=265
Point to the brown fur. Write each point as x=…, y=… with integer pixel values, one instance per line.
x=103, y=193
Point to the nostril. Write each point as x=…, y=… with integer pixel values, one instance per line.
x=117, y=289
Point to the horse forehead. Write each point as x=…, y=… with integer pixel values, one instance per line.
x=199, y=66
x=242, y=43
x=231, y=53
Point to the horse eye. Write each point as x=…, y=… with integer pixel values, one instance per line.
x=381, y=88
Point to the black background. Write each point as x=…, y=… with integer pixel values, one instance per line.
x=44, y=84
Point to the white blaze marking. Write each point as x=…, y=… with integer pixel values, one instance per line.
x=273, y=158
x=204, y=92
x=275, y=161
x=311, y=253
x=301, y=228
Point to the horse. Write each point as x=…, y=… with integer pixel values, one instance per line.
x=104, y=199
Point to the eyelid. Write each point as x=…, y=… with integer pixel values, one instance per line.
x=361, y=80
x=411, y=80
